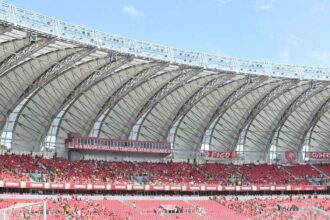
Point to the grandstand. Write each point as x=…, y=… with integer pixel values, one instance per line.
x=99, y=126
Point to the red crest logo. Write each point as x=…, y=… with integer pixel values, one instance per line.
x=290, y=156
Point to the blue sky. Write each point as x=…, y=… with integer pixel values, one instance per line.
x=286, y=31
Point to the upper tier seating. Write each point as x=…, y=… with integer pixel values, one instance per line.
x=264, y=174
x=303, y=171
x=325, y=168
x=18, y=168
x=11, y=176
x=220, y=173
x=22, y=163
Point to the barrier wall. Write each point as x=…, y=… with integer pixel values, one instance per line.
x=182, y=188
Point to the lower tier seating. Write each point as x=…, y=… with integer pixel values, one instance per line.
x=219, y=208
x=297, y=207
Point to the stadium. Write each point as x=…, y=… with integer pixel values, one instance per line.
x=99, y=126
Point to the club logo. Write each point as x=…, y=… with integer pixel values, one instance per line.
x=290, y=156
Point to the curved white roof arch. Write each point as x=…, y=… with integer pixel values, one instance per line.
x=58, y=78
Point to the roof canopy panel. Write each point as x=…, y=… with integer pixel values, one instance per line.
x=72, y=79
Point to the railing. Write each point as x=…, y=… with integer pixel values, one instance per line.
x=41, y=23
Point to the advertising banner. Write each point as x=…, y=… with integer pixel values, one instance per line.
x=220, y=154
x=318, y=155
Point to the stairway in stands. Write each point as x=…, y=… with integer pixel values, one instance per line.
x=320, y=170
x=289, y=172
x=213, y=209
x=203, y=213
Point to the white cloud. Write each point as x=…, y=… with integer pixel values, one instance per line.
x=265, y=5
x=286, y=54
x=223, y=2
x=293, y=43
x=217, y=51
x=319, y=10
x=132, y=11
x=320, y=56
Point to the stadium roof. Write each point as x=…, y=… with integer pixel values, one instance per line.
x=59, y=78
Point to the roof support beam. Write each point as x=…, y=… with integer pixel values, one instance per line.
x=50, y=74
x=317, y=116
x=305, y=95
x=97, y=76
x=269, y=97
x=62, y=67
x=199, y=95
x=168, y=88
x=172, y=85
x=22, y=54
x=6, y=29
x=229, y=101
x=92, y=95
x=138, y=79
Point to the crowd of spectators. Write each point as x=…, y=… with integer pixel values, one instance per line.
x=63, y=208
x=266, y=174
x=20, y=168
x=278, y=207
x=260, y=207
x=82, y=209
